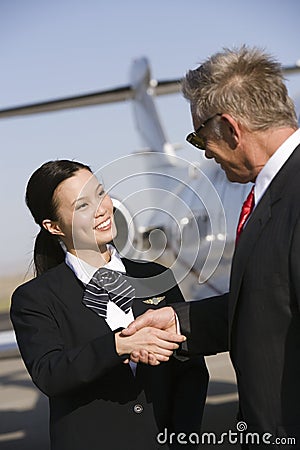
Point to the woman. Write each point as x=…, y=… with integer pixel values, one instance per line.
x=73, y=351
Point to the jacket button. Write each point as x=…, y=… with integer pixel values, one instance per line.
x=138, y=409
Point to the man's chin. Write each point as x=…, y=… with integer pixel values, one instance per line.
x=234, y=178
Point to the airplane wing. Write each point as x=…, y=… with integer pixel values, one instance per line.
x=287, y=70
x=119, y=94
x=87, y=99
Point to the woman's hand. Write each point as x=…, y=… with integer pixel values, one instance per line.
x=161, y=344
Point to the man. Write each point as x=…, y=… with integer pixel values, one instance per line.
x=245, y=120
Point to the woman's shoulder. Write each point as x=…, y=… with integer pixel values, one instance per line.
x=49, y=278
x=155, y=277
x=141, y=268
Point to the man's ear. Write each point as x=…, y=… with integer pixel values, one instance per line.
x=232, y=130
x=52, y=227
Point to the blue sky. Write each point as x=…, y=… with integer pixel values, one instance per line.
x=59, y=48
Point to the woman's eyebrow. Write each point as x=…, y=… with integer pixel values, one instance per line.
x=85, y=196
x=78, y=199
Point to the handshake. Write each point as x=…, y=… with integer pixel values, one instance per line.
x=151, y=338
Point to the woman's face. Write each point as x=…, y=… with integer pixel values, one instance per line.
x=85, y=213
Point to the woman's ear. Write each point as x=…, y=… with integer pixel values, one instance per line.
x=52, y=227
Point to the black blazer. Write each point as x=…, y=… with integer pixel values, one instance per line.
x=95, y=400
x=259, y=320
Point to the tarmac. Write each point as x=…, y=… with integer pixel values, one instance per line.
x=24, y=409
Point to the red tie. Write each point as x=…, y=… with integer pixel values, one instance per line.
x=247, y=208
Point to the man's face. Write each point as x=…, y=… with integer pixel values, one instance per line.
x=224, y=146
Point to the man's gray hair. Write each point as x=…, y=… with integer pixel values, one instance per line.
x=246, y=83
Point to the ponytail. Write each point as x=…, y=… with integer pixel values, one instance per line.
x=47, y=252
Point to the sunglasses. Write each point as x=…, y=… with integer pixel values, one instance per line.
x=195, y=139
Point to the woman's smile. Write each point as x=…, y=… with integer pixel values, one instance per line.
x=104, y=226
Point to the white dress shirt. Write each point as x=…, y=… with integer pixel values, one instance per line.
x=274, y=164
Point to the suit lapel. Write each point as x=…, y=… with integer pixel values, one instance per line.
x=257, y=222
x=145, y=288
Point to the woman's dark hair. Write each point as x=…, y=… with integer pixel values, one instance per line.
x=39, y=199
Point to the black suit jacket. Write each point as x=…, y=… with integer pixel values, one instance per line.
x=259, y=320
x=95, y=400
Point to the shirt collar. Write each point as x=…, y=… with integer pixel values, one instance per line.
x=85, y=271
x=274, y=164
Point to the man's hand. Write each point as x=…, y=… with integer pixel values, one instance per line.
x=164, y=319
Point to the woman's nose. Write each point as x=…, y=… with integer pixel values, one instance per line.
x=100, y=208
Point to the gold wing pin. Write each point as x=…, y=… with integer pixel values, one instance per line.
x=154, y=300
